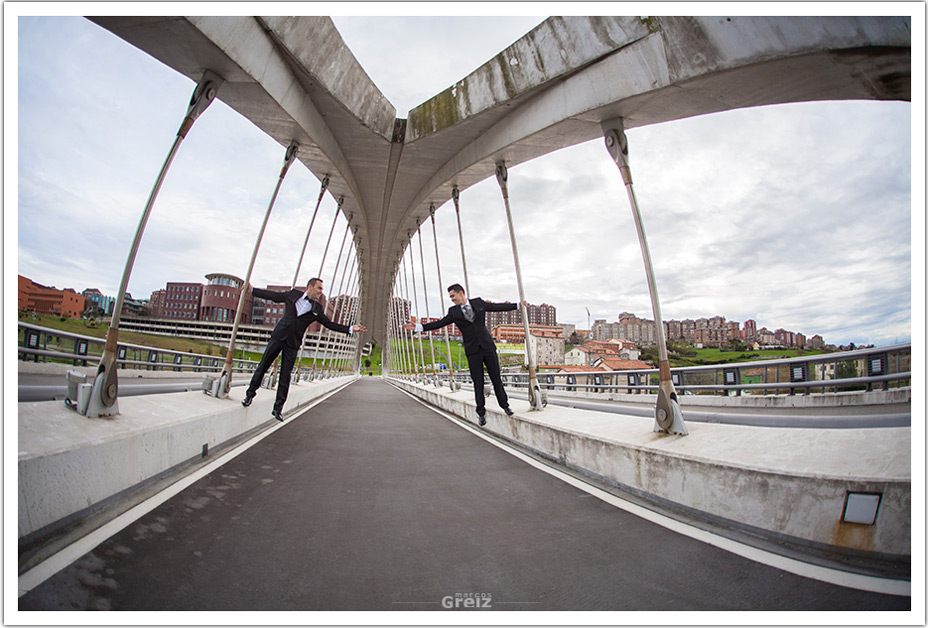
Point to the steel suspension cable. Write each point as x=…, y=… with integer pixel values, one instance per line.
x=105, y=387
x=299, y=264
x=415, y=301
x=456, y=196
x=405, y=304
x=325, y=254
x=225, y=377
x=534, y=391
x=425, y=294
x=668, y=415
x=451, y=382
x=339, y=309
x=328, y=301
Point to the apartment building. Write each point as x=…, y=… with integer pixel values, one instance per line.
x=638, y=330
x=544, y=315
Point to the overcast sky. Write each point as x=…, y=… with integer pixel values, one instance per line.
x=797, y=216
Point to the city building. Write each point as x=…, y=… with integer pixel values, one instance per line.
x=96, y=303
x=156, y=303
x=544, y=315
x=34, y=297
x=268, y=313
x=707, y=332
x=181, y=301
x=639, y=330
x=220, y=299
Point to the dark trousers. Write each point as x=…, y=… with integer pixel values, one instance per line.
x=271, y=351
x=475, y=362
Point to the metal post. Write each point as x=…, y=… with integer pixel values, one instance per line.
x=415, y=300
x=342, y=341
x=225, y=377
x=349, y=312
x=325, y=184
x=535, y=397
x=456, y=196
x=668, y=416
x=407, y=359
x=425, y=294
x=451, y=383
x=408, y=340
x=329, y=337
x=106, y=386
x=338, y=261
x=325, y=252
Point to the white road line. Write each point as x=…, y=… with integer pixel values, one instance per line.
x=64, y=557
x=815, y=572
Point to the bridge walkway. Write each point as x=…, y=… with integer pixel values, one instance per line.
x=371, y=500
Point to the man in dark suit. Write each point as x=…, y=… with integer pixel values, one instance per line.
x=470, y=317
x=301, y=309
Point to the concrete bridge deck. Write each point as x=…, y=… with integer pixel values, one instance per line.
x=372, y=500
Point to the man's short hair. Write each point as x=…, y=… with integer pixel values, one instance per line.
x=455, y=287
x=313, y=281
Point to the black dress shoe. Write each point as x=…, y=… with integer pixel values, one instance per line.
x=508, y=411
x=482, y=418
x=276, y=414
x=247, y=401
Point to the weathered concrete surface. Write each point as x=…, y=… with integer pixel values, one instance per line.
x=68, y=463
x=295, y=79
x=789, y=482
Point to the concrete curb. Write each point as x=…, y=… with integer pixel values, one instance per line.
x=68, y=462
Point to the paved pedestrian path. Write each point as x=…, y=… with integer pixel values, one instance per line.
x=372, y=501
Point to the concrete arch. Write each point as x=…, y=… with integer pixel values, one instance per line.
x=296, y=79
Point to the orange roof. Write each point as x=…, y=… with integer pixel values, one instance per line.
x=616, y=364
x=569, y=368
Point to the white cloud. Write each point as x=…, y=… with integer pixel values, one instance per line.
x=798, y=216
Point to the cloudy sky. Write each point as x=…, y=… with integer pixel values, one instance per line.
x=798, y=216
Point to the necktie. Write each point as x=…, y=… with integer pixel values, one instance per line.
x=468, y=312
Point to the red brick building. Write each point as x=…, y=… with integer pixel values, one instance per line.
x=41, y=299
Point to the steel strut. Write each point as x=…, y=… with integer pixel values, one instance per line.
x=456, y=195
x=451, y=382
x=425, y=294
x=411, y=350
x=340, y=342
x=325, y=252
x=106, y=386
x=535, y=396
x=415, y=297
x=328, y=336
x=667, y=414
x=225, y=378
x=325, y=185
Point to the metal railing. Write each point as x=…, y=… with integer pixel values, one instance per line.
x=859, y=370
x=37, y=343
x=52, y=345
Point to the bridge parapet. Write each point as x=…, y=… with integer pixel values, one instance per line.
x=790, y=487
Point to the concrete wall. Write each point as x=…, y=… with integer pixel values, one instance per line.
x=789, y=483
x=68, y=462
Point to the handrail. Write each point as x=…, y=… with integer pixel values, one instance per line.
x=208, y=363
x=797, y=379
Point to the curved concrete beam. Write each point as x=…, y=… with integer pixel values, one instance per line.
x=684, y=67
x=296, y=79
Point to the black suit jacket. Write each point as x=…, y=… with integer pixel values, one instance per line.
x=291, y=327
x=476, y=335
